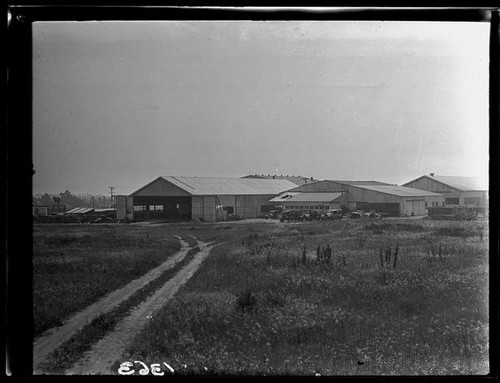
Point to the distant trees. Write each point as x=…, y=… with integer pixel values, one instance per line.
x=45, y=200
x=72, y=200
x=57, y=200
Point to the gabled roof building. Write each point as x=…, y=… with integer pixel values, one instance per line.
x=373, y=195
x=201, y=198
x=457, y=191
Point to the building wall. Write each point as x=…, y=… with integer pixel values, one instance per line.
x=371, y=196
x=162, y=207
x=413, y=207
x=426, y=183
x=40, y=210
x=474, y=199
x=252, y=206
x=121, y=206
x=245, y=206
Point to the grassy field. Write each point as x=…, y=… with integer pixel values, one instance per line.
x=399, y=296
x=74, y=265
x=256, y=307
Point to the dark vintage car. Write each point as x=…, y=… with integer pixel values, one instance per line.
x=334, y=214
x=373, y=215
x=310, y=215
x=354, y=215
x=273, y=214
x=290, y=215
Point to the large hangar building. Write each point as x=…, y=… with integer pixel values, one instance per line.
x=201, y=198
x=458, y=191
x=373, y=195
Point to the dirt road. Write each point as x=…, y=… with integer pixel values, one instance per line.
x=108, y=350
x=55, y=337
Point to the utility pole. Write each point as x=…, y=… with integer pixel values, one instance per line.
x=111, y=188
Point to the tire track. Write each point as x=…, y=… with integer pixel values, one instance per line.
x=108, y=350
x=55, y=337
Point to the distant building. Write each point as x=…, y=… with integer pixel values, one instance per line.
x=373, y=195
x=40, y=210
x=457, y=191
x=44, y=210
x=201, y=198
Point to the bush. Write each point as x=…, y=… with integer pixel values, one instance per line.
x=246, y=301
x=454, y=231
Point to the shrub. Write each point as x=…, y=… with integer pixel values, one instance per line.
x=454, y=231
x=246, y=301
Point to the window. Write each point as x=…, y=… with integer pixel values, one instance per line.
x=472, y=200
x=140, y=208
x=228, y=209
x=156, y=207
x=452, y=201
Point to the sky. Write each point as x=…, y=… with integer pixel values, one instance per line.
x=121, y=103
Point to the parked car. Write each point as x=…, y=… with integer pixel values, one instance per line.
x=305, y=215
x=315, y=215
x=354, y=215
x=334, y=214
x=273, y=214
x=372, y=215
x=290, y=215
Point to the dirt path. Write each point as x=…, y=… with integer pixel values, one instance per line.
x=54, y=337
x=109, y=349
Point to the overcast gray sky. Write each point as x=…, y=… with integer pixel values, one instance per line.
x=121, y=103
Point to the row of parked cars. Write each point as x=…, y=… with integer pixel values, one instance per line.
x=313, y=215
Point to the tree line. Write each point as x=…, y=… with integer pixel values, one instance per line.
x=72, y=200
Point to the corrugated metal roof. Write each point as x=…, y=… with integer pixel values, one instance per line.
x=462, y=183
x=297, y=180
x=80, y=210
x=314, y=197
x=230, y=186
x=400, y=191
x=359, y=182
x=85, y=210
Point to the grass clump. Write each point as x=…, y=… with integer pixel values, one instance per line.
x=455, y=231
